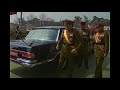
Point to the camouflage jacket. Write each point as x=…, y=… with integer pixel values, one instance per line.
x=85, y=35
x=75, y=39
x=104, y=40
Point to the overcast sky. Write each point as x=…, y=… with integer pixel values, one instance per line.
x=63, y=15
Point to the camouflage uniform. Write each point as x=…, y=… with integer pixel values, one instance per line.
x=84, y=47
x=66, y=56
x=18, y=34
x=100, y=51
x=92, y=33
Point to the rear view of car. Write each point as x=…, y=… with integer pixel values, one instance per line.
x=38, y=47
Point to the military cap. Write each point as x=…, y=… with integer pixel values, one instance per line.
x=69, y=21
x=99, y=25
x=83, y=23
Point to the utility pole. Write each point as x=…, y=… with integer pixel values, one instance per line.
x=21, y=22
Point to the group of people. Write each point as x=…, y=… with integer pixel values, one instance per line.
x=74, y=47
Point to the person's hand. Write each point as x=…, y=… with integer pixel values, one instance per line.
x=105, y=54
x=57, y=47
x=74, y=51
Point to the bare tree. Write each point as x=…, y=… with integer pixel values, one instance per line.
x=77, y=21
x=45, y=20
x=42, y=17
x=31, y=17
x=78, y=18
x=86, y=20
x=16, y=21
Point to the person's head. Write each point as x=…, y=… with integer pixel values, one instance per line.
x=83, y=24
x=69, y=24
x=100, y=27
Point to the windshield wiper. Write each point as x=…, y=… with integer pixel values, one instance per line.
x=25, y=42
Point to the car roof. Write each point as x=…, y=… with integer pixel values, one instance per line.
x=50, y=27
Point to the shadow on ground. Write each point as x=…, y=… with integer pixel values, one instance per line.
x=48, y=70
x=89, y=73
x=42, y=71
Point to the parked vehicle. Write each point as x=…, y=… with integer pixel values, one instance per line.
x=38, y=47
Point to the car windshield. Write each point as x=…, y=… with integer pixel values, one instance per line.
x=43, y=34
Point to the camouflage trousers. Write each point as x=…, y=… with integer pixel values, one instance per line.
x=67, y=60
x=81, y=58
x=98, y=71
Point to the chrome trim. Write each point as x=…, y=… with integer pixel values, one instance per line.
x=23, y=60
x=27, y=64
x=32, y=65
x=21, y=45
x=58, y=35
x=13, y=59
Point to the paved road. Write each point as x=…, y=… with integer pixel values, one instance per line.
x=48, y=70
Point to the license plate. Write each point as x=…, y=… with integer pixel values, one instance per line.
x=13, y=54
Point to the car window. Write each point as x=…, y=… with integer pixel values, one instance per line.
x=43, y=34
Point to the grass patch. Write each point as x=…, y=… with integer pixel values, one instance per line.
x=13, y=75
x=14, y=65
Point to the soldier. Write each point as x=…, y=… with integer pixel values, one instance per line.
x=92, y=33
x=101, y=48
x=83, y=48
x=18, y=34
x=69, y=45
